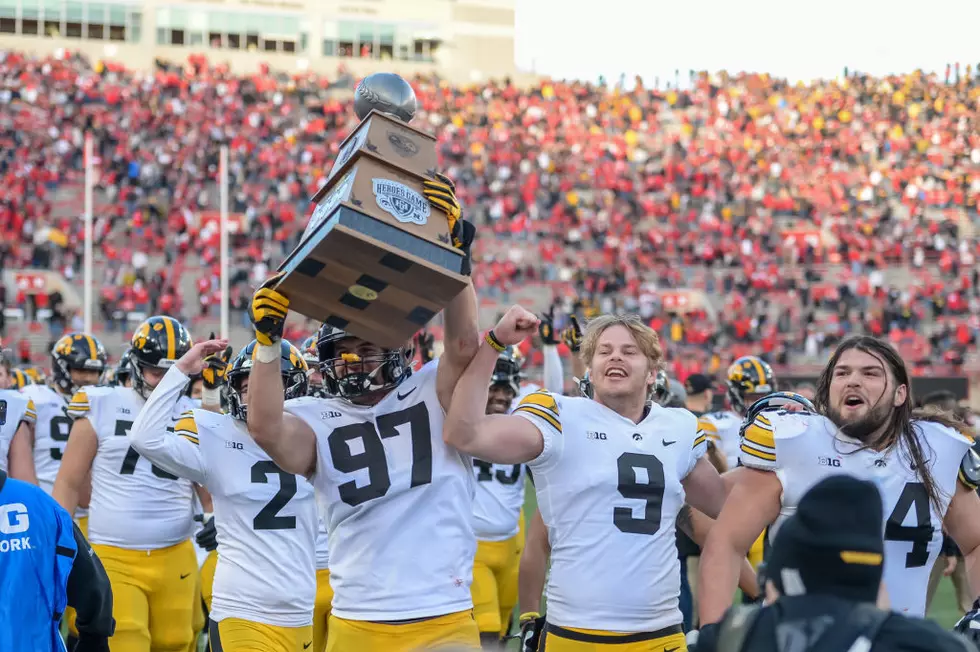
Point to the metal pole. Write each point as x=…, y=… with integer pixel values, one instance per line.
x=87, y=256
x=223, y=226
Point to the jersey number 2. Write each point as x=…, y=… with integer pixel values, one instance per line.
x=913, y=496
x=372, y=454
x=650, y=490
x=267, y=518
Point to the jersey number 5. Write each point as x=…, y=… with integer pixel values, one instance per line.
x=650, y=490
x=372, y=455
x=913, y=496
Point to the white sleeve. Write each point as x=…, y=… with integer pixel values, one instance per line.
x=177, y=452
x=554, y=379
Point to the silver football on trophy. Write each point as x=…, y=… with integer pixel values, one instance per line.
x=385, y=92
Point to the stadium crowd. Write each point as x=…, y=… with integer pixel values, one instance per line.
x=737, y=214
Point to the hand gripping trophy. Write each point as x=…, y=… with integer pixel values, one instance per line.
x=375, y=259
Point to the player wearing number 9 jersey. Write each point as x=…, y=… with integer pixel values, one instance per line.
x=396, y=500
x=141, y=516
x=611, y=474
x=265, y=579
x=923, y=467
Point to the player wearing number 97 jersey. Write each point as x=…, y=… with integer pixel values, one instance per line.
x=141, y=516
x=265, y=580
x=924, y=469
x=611, y=474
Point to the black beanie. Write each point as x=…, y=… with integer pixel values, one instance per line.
x=832, y=544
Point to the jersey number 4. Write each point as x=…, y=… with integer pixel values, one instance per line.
x=372, y=454
x=632, y=466
x=913, y=496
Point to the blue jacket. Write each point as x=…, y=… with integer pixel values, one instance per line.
x=37, y=549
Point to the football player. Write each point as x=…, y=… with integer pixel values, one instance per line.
x=865, y=427
x=17, y=417
x=611, y=474
x=141, y=516
x=374, y=450
x=749, y=378
x=266, y=522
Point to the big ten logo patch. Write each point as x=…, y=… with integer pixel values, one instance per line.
x=14, y=518
x=829, y=461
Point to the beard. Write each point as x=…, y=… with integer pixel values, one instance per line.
x=863, y=428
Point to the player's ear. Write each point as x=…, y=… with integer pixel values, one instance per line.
x=901, y=395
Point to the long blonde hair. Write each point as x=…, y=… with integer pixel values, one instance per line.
x=646, y=338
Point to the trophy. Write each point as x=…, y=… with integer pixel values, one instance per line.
x=376, y=259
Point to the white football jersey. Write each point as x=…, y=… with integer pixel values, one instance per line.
x=397, y=502
x=50, y=433
x=805, y=448
x=266, y=518
x=609, y=491
x=15, y=408
x=322, y=546
x=723, y=429
x=135, y=504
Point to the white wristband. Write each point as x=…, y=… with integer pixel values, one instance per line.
x=267, y=353
x=211, y=397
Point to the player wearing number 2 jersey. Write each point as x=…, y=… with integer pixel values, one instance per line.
x=141, y=516
x=265, y=579
x=611, y=474
x=924, y=469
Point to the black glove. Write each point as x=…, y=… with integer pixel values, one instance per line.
x=969, y=625
x=268, y=312
x=532, y=623
x=546, y=329
x=572, y=335
x=216, y=367
x=91, y=643
x=441, y=193
x=207, y=538
x=426, y=343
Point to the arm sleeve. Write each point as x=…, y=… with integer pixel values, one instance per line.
x=80, y=405
x=541, y=408
x=30, y=413
x=178, y=452
x=89, y=591
x=699, y=448
x=554, y=379
x=758, y=446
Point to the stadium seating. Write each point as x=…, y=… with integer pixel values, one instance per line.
x=740, y=215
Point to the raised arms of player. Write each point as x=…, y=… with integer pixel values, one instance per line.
x=461, y=341
x=503, y=439
x=178, y=452
x=89, y=593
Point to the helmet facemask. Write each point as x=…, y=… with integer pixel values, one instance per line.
x=344, y=374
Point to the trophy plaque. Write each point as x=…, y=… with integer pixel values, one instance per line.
x=376, y=258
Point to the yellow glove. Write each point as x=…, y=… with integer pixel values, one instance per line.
x=572, y=335
x=441, y=193
x=216, y=368
x=268, y=312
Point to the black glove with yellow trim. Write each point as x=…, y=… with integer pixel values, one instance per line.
x=572, y=335
x=532, y=623
x=426, y=343
x=215, y=369
x=546, y=329
x=207, y=538
x=441, y=193
x=268, y=312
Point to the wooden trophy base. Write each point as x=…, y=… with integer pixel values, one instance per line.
x=370, y=278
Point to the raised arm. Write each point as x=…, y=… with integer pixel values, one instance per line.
x=288, y=440
x=178, y=452
x=504, y=439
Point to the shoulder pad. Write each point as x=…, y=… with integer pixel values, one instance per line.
x=934, y=428
x=543, y=405
x=80, y=404
x=969, y=473
x=186, y=427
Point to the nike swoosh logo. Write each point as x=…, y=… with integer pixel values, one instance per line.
x=306, y=645
x=402, y=397
x=184, y=577
x=673, y=649
x=668, y=443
